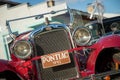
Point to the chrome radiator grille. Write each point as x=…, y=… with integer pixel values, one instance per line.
x=53, y=41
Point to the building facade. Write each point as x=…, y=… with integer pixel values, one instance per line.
x=10, y=11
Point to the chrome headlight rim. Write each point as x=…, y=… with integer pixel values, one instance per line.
x=27, y=55
x=89, y=38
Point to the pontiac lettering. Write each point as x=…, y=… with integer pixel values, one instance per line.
x=55, y=59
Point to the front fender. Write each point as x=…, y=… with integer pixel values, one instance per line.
x=4, y=65
x=103, y=43
x=17, y=67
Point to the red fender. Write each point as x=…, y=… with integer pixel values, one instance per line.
x=17, y=66
x=105, y=42
x=4, y=65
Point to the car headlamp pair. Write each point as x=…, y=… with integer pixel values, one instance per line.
x=22, y=49
x=82, y=36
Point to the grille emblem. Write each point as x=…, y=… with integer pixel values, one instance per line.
x=48, y=28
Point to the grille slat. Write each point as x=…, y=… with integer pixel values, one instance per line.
x=53, y=41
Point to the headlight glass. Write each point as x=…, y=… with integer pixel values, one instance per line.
x=81, y=36
x=22, y=49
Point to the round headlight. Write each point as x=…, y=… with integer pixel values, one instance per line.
x=81, y=36
x=22, y=49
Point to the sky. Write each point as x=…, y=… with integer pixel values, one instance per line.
x=110, y=6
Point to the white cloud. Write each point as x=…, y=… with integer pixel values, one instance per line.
x=110, y=15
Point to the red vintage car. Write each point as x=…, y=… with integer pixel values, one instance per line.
x=55, y=52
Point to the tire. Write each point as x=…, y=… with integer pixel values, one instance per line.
x=7, y=75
